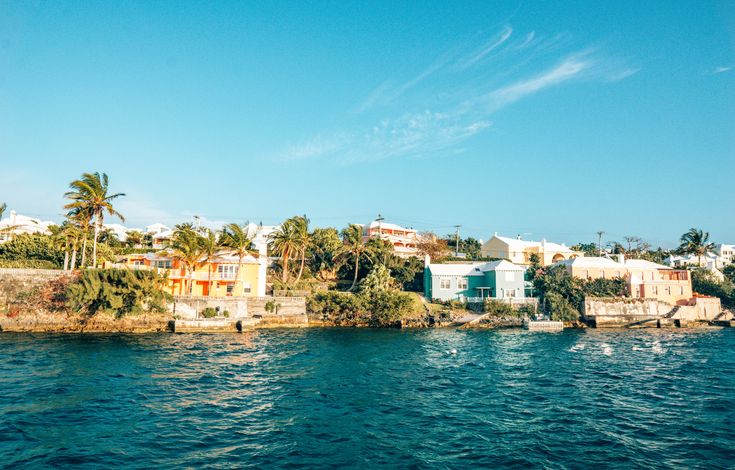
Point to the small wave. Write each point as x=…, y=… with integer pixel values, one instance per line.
x=606, y=349
x=576, y=347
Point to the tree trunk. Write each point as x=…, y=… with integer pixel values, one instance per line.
x=284, y=267
x=66, y=259
x=94, y=245
x=84, y=252
x=354, y=281
x=74, y=258
x=303, y=261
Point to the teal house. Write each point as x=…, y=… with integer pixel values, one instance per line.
x=474, y=281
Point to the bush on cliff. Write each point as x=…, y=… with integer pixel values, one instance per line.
x=118, y=291
x=562, y=295
x=27, y=250
x=378, y=303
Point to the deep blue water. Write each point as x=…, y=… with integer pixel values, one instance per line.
x=321, y=398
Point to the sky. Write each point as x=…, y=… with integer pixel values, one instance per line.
x=542, y=119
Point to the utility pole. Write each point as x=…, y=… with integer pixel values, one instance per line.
x=599, y=241
x=196, y=222
x=380, y=220
x=456, y=241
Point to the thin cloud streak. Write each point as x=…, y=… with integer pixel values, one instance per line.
x=480, y=54
x=721, y=69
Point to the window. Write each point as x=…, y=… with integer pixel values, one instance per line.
x=163, y=264
x=462, y=283
x=246, y=288
x=654, y=289
x=227, y=271
x=230, y=287
x=444, y=284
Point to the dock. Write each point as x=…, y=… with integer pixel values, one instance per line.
x=543, y=325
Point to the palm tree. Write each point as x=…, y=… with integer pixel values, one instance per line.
x=82, y=219
x=134, y=238
x=284, y=242
x=696, y=242
x=301, y=228
x=186, y=247
x=91, y=194
x=237, y=238
x=354, y=248
x=210, y=249
x=3, y=208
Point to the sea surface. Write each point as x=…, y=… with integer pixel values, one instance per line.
x=362, y=398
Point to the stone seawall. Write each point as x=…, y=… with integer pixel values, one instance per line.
x=651, y=313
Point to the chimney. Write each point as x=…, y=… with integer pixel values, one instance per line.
x=427, y=261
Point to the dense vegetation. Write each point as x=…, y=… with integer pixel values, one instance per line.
x=562, y=296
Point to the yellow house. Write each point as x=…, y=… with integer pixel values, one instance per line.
x=223, y=276
x=645, y=279
x=519, y=251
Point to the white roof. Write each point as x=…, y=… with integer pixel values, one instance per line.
x=387, y=226
x=24, y=224
x=590, y=262
x=472, y=269
x=550, y=246
x=502, y=265
x=157, y=227
x=456, y=269
x=643, y=264
x=166, y=234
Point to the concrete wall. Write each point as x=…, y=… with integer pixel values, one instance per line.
x=650, y=312
x=239, y=307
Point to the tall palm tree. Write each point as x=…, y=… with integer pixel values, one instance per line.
x=3, y=208
x=696, y=242
x=354, y=248
x=90, y=193
x=82, y=217
x=301, y=228
x=210, y=249
x=186, y=247
x=238, y=239
x=285, y=242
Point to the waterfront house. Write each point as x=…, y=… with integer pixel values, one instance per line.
x=16, y=224
x=222, y=276
x=404, y=240
x=519, y=251
x=472, y=281
x=157, y=228
x=645, y=279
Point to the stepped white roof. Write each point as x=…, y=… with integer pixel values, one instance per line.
x=591, y=262
x=388, y=226
x=157, y=228
x=472, y=269
x=643, y=264
x=520, y=244
x=18, y=224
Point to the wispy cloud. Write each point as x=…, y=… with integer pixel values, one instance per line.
x=487, y=48
x=472, y=89
x=565, y=71
x=721, y=69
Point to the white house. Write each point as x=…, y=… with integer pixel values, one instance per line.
x=157, y=228
x=16, y=224
x=404, y=240
x=519, y=251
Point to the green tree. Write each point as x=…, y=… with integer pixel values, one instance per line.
x=353, y=248
x=90, y=193
x=186, y=247
x=134, y=238
x=238, y=239
x=322, y=254
x=301, y=229
x=211, y=246
x=285, y=242
x=3, y=208
x=696, y=242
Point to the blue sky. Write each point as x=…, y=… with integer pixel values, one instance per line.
x=543, y=119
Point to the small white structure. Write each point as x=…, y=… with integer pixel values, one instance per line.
x=157, y=228
x=162, y=239
x=711, y=260
x=120, y=231
x=17, y=224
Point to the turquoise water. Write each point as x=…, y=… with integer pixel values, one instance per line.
x=323, y=398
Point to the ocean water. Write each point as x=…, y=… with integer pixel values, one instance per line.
x=361, y=398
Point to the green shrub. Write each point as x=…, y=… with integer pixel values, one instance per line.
x=118, y=291
x=499, y=309
x=32, y=248
x=209, y=312
x=226, y=314
x=28, y=264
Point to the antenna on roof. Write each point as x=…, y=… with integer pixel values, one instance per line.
x=380, y=220
x=456, y=239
